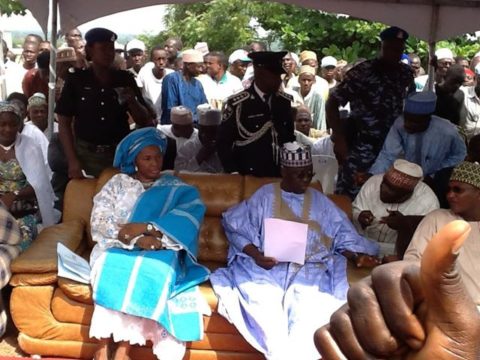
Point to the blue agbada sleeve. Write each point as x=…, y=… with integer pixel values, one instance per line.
x=243, y=225
x=339, y=228
x=169, y=97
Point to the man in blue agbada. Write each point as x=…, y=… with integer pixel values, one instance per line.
x=277, y=306
x=144, y=267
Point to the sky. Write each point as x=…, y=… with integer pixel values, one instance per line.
x=151, y=21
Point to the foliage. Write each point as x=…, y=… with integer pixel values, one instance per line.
x=227, y=25
x=224, y=24
x=9, y=7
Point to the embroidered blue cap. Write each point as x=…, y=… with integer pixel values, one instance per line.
x=421, y=103
x=100, y=35
x=393, y=32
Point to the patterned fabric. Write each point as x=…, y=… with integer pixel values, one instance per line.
x=376, y=100
x=467, y=172
x=13, y=179
x=176, y=210
x=294, y=154
x=10, y=238
x=5, y=106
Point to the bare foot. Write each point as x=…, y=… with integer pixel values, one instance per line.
x=102, y=351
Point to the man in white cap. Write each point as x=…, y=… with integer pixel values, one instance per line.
x=274, y=302
x=444, y=59
x=289, y=79
x=328, y=66
x=427, y=140
x=200, y=153
x=182, y=87
x=136, y=55
x=181, y=128
x=311, y=96
x=392, y=204
x=239, y=61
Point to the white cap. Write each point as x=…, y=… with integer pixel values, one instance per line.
x=295, y=58
x=328, y=61
x=119, y=46
x=239, y=54
x=192, y=56
x=181, y=115
x=408, y=168
x=208, y=116
x=202, y=47
x=135, y=44
x=444, y=53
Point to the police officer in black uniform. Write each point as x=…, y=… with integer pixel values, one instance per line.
x=96, y=100
x=257, y=121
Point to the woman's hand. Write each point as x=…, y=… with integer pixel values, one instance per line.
x=130, y=231
x=148, y=242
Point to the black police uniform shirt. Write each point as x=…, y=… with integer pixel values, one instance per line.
x=99, y=118
x=258, y=157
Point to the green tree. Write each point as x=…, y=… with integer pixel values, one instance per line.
x=223, y=24
x=226, y=25
x=9, y=7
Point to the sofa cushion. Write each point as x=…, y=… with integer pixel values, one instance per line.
x=212, y=243
x=41, y=256
x=218, y=191
x=76, y=291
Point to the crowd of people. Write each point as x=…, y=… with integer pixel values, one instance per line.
x=407, y=152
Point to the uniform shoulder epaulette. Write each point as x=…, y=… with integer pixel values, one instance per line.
x=238, y=98
x=285, y=95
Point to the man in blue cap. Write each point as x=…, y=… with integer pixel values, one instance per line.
x=375, y=90
x=257, y=121
x=427, y=140
x=97, y=101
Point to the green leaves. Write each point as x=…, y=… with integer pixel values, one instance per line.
x=9, y=7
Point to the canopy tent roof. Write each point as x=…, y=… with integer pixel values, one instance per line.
x=431, y=20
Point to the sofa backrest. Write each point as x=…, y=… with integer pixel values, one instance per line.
x=219, y=192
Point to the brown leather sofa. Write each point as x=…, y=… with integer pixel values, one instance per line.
x=53, y=314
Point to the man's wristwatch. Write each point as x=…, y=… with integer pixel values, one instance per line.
x=16, y=193
x=150, y=227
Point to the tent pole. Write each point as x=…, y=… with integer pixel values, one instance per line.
x=431, y=47
x=3, y=84
x=53, y=67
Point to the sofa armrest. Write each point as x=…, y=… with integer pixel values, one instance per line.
x=41, y=256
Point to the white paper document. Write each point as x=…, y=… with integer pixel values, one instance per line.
x=72, y=266
x=284, y=240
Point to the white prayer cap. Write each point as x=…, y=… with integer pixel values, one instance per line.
x=295, y=58
x=444, y=53
x=404, y=174
x=119, y=47
x=202, y=47
x=192, y=56
x=207, y=116
x=408, y=168
x=181, y=115
x=135, y=44
x=328, y=61
x=239, y=54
